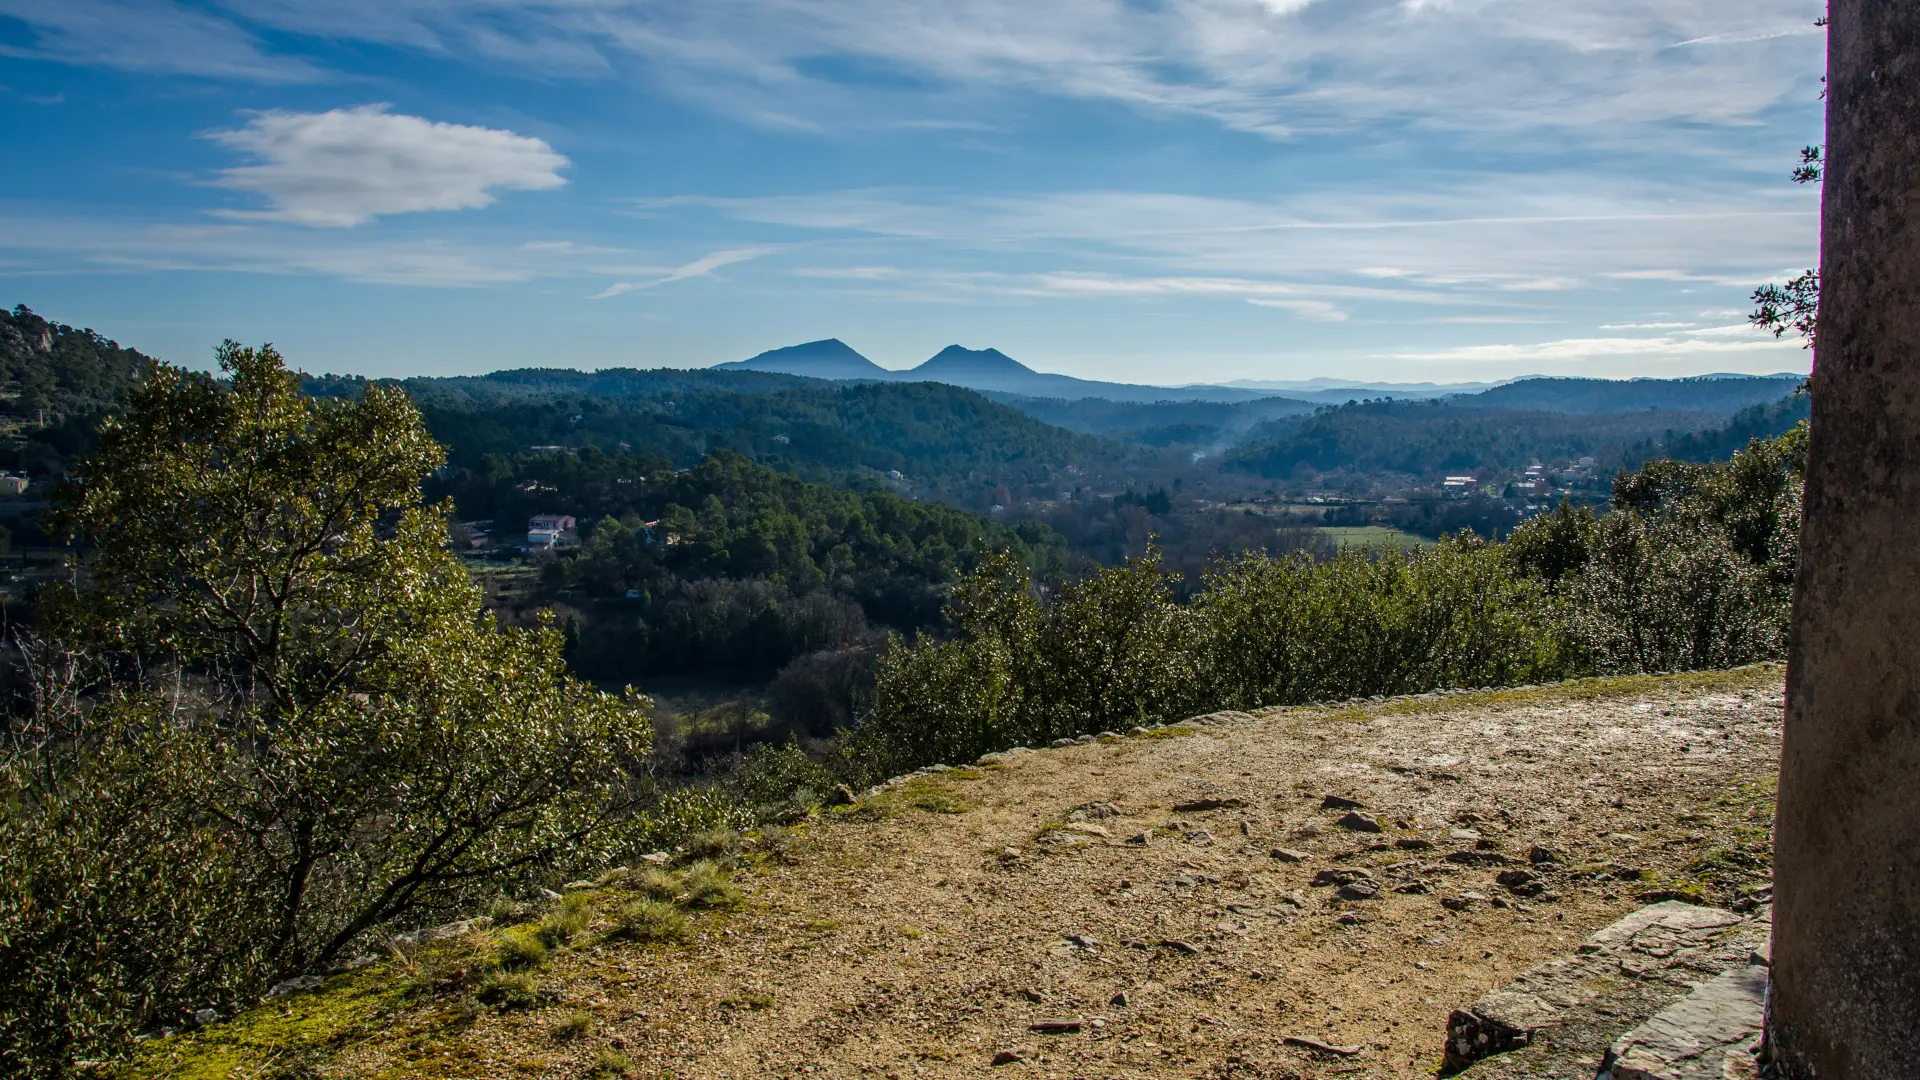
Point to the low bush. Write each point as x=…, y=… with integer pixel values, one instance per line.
x=611, y=1063
x=510, y=990
x=649, y=921
x=521, y=948
x=704, y=887
x=570, y=915
x=575, y=1026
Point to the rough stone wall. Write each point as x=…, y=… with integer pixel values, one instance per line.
x=1846, y=992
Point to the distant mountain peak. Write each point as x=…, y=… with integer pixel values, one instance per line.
x=957, y=358
x=829, y=358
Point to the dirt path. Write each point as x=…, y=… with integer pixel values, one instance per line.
x=924, y=932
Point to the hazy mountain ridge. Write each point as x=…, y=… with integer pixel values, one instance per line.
x=994, y=372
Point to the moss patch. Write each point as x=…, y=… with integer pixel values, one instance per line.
x=278, y=1038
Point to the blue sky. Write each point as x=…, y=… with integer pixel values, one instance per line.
x=1144, y=190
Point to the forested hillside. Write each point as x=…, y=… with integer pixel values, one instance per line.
x=1162, y=423
x=1711, y=394
x=1431, y=438
x=945, y=442
x=49, y=370
x=734, y=569
x=56, y=382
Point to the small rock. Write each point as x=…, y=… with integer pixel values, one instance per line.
x=1484, y=844
x=1413, y=843
x=1195, y=806
x=549, y=894
x=1340, y=802
x=577, y=886
x=1541, y=855
x=1138, y=731
x=657, y=858
x=937, y=769
x=1062, y=1025
x=1141, y=839
x=1288, y=854
x=1463, y=835
x=1009, y=1057
x=1359, y=890
x=1109, y=735
x=1521, y=882
x=1349, y=919
x=1414, y=888
x=1089, y=829
x=1032, y=995
x=203, y=1017
x=1185, y=947
x=299, y=984
x=1085, y=739
x=1058, y=743
x=1118, y=1000
x=1199, y=836
x=1341, y=877
x=1360, y=822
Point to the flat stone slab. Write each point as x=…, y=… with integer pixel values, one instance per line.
x=1711, y=1034
x=1562, y=1017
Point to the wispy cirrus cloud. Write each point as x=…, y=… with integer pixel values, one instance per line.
x=700, y=267
x=1556, y=353
x=1268, y=66
x=344, y=167
x=155, y=37
x=1565, y=234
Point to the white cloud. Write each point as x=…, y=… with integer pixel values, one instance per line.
x=345, y=167
x=700, y=267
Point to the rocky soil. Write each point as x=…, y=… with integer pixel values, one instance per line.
x=1301, y=892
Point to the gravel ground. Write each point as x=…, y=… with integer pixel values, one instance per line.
x=924, y=932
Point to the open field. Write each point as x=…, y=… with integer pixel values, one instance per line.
x=1372, y=536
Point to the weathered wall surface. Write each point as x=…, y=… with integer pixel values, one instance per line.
x=1847, y=915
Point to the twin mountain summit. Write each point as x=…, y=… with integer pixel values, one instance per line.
x=994, y=372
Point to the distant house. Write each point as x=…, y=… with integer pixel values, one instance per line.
x=546, y=530
x=1459, y=485
x=10, y=484
x=782, y=439
x=896, y=474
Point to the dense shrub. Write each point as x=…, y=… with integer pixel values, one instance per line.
x=1692, y=569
